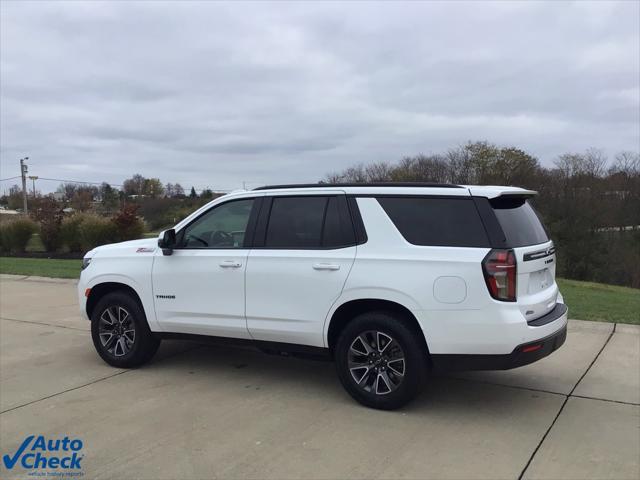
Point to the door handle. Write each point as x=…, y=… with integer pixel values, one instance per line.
x=230, y=264
x=326, y=266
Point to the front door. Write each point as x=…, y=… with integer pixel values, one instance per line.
x=200, y=288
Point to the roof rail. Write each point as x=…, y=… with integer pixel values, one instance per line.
x=372, y=184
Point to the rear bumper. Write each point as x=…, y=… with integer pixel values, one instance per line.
x=559, y=310
x=522, y=355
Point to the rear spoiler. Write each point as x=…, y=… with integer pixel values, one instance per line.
x=521, y=194
x=494, y=192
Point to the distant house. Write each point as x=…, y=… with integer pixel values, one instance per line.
x=6, y=211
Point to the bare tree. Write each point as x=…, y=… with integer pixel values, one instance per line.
x=627, y=163
x=589, y=208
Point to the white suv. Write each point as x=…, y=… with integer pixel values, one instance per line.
x=391, y=281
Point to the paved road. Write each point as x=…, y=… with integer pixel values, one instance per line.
x=204, y=412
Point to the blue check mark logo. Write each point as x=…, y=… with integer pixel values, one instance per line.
x=10, y=462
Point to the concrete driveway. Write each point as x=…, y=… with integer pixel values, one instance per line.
x=210, y=412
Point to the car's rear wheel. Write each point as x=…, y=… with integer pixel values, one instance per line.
x=120, y=331
x=381, y=362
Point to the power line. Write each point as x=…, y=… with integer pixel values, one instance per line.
x=198, y=189
x=64, y=181
x=78, y=181
x=115, y=184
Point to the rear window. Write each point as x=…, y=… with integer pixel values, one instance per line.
x=519, y=222
x=312, y=222
x=296, y=222
x=451, y=222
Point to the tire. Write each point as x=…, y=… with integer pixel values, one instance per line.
x=388, y=339
x=132, y=343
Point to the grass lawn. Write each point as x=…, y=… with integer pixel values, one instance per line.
x=35, y=244
x=597, y=301
x=42, y=267
x=586, y=300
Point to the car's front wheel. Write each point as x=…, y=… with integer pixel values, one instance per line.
x=120, y=331
x=380, y=361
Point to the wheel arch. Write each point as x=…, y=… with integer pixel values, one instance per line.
x=350, y=309
x=99, y=290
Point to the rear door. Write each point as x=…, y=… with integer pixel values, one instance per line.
x=303, y=250
x=537, y=291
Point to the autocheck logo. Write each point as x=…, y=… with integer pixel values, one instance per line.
x=39, y=453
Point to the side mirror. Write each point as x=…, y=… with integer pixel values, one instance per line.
x=167, y=241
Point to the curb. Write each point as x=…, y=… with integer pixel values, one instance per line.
x=34, y=278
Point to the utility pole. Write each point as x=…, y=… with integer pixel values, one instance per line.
x=23, y=170
x=33, y=179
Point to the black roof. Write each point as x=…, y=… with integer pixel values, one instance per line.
x=372, y=184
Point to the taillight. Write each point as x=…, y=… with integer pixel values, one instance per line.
x=499, y=268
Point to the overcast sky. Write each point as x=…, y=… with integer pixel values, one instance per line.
x=213, y=94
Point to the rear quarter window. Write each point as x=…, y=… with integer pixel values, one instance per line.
x=519, y=221
x=451, y=222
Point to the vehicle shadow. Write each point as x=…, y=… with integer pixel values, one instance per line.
x=260, y=371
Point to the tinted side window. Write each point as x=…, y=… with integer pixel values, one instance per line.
x=223, y=226
x=310, y=222
x=332, y=234
x=452, y=222
x=296, y=222
x=519, y=222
